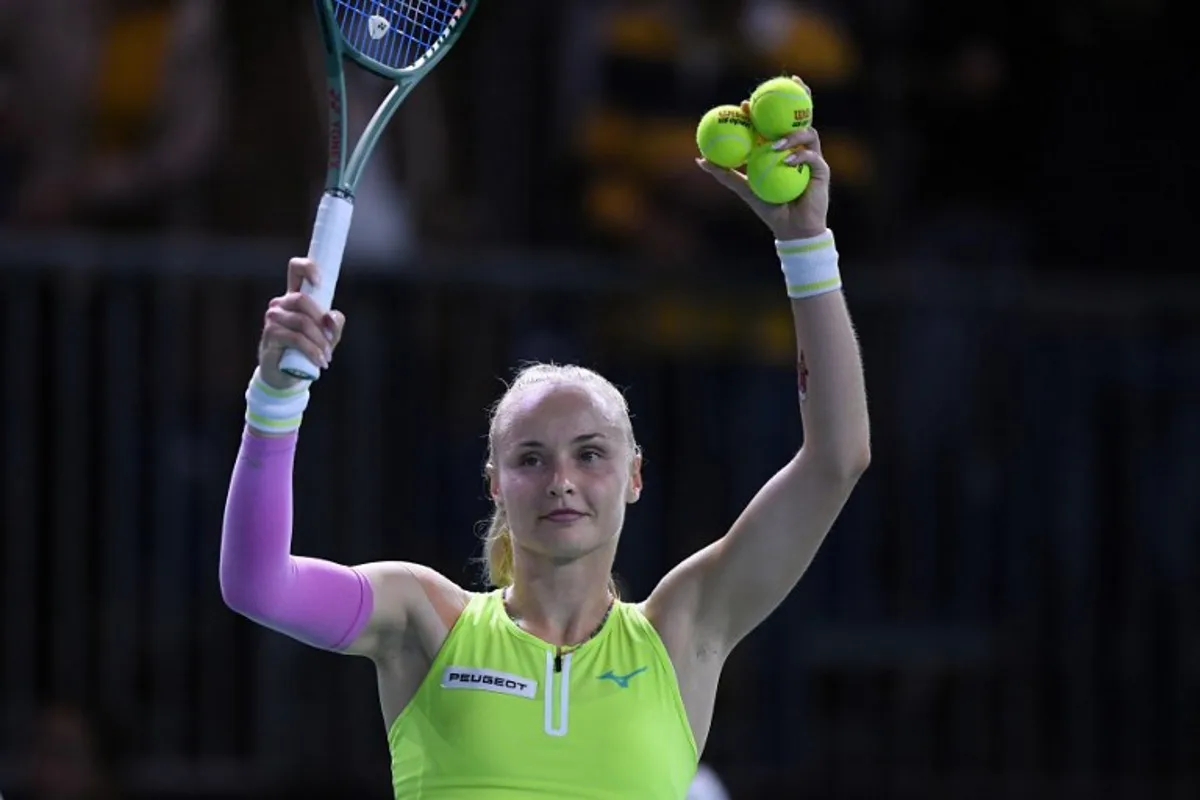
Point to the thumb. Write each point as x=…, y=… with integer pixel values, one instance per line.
x=816, y=163
x=339, y=322
x=731, y=179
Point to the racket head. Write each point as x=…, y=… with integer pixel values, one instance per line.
x=397, y=39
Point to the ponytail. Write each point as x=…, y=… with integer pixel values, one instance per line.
x=498, y=551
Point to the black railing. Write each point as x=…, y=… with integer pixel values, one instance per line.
x=1007, y=608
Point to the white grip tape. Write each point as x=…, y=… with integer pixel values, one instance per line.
x=326, y=249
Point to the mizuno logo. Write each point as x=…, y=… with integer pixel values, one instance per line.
x=621, y=680
x=488, y=680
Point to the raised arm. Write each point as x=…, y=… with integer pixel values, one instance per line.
x=320, y=603
x=713, y=599
x=362, y=610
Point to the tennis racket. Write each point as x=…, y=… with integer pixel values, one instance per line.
x=399, y=40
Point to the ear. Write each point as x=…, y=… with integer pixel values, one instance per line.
x=634, y=490
x=493, y=482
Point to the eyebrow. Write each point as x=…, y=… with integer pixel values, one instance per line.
x=587, y=437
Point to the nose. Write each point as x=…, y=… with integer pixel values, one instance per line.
x=561, y=485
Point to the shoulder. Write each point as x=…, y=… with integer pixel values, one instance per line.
x=416, y=585
x=414, y=599
x=664, y=632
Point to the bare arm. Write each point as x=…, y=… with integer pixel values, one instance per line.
x=720, y=594
x=727, y=589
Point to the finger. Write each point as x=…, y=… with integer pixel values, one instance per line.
x=800, y=81
x=334, y=322
x=301, y=304
x=300, y=270
x=283, y=339
x=729, y=178
x=816, y=164
x=807, y=138
x=279, y=320
x=746, y=107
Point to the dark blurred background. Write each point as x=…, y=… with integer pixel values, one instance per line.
x=1007, y=608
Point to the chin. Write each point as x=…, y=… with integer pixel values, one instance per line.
x=570, y=542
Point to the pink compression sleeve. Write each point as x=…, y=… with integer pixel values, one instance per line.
x=317, y=602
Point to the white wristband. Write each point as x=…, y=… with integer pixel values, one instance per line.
x=273, y=410
x=810, y=266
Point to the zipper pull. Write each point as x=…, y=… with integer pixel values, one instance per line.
x=558, y=659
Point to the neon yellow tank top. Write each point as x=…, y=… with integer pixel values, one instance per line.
x=495, y=720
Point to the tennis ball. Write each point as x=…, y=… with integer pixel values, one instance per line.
x=771, y=179
x=780, y=106
x=725, y=136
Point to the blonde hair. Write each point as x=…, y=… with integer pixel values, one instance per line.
x=497, y=540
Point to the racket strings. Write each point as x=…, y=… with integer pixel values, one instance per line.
x=395, y=33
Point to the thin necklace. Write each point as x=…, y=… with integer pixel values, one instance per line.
x=559, y=650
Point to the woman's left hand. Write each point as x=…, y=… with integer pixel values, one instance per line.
x=806, y=215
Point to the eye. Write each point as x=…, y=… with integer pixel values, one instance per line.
x=590, y=454
x=529, y=460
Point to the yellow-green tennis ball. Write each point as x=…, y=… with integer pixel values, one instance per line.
x=771, y=179
x=780, y=106
x=725, y=136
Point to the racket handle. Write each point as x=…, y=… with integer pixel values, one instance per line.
x=326, y=248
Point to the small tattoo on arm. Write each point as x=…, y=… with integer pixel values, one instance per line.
x=802, y=377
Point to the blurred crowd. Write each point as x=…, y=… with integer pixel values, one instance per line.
x=1008, y=140
x=73, y=752
x=572, y=123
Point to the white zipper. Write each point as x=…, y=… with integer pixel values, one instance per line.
x=564, y=694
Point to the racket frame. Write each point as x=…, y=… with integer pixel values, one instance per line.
x=342, y=174
x=332, y=224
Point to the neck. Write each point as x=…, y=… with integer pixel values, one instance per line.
x=561, y=603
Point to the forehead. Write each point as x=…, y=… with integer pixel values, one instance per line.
x=554, y=412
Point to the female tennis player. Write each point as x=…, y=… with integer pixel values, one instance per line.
x=550, y=685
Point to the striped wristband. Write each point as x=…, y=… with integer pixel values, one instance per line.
x=810, y=266
x=272, y=410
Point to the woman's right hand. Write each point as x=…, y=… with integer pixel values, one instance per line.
x=294, y=320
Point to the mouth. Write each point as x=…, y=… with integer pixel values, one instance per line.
x=564, y=515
